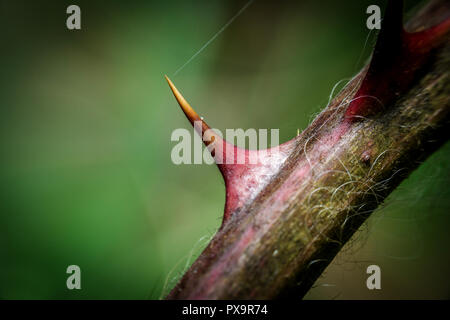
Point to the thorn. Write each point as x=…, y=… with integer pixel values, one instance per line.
x=187, y=109
x=242, y=180
x=207, y=137
x=396, y=58
x=298, y=132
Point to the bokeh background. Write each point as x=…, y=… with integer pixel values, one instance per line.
x=85, y=125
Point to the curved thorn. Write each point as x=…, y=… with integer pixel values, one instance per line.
x=207, y=134
x=186, y=107
x=397, y=57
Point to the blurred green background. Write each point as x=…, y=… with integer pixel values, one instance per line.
x=86, y=118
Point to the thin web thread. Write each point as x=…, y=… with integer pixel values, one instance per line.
x=215, y=36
